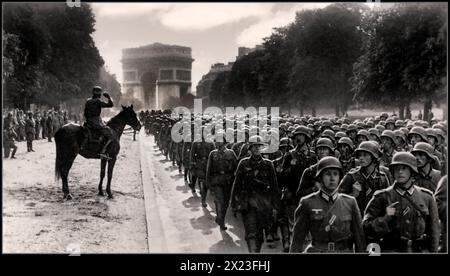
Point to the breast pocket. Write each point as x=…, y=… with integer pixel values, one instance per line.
x=421, y=217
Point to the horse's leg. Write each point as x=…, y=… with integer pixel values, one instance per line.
x=65, y=174
x=111, y=164
x=102, y=176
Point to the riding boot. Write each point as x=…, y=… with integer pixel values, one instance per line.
x=220, y=220
x=13, y=153
x=203, y=192
x=102, y=153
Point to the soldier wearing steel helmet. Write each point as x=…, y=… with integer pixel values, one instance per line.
x=294, y=164
x=427, y=177
x=332, y=219
x=283, y=219
x=417, y=134
x=308, y=184
x=388, y=145
x=222, y=163
x=345, y=147
x=255, y=194
x=441, y=199
x=364, y=180
x=200, y=150
x=403, y=217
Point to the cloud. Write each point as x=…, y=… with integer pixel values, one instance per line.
x=209, y=15
x=254, y=34
x=130, y=10
x=186, y=16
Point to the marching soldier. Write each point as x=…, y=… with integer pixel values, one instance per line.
x=30, y=131
x=200, y=150
x=308, y=184
x=283, y=219
x=403, y=217
x=363, y=181
x=222, y=163
x=441, y=200
x=427, y=177
x=332, y=219
x=37, y=125
x=388, y=143
x=255, y=195
x=345, y=147
x=294, y=164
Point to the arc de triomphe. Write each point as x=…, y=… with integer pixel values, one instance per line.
x=157, y=74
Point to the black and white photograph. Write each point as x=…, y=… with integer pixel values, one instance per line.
x=257, y=128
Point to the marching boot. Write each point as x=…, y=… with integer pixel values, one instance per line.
x=252, y=246
x=203, y=192
x=220, y=220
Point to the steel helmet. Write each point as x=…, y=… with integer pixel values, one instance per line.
x=340, y=134
x=327, y=123
x=302, y=130
x=385, y=115
x=439, y=132
x=419, y=131
x=425, y=148
x=401, y=134
x=325, y=142
x=371, y=147
x=405, y=130
x=344, y=127
x=380, y=128
x=403, y=158
x=328, y=162
x=389, y=134
x=375, y=132
x=256, y=140
x=347, y=141
x=360, y=125
x=390, y=121
x=336, y=128
x=352, y=127
x=286, y=142
x=399, y=123
x=432, y=132
x=363, y=132
x=328, y=134
x=370, y=124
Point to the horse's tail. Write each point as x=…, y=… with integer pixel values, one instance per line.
x=59, y=159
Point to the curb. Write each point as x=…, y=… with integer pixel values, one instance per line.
x=156, y=239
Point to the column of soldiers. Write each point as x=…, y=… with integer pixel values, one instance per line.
x=332, y=186
x=19, y=126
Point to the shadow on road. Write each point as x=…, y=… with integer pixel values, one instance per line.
x=204, y=223
x=227, y=245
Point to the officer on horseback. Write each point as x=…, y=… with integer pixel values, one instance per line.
x=92, y=111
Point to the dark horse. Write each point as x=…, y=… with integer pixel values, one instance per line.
x=69, y=138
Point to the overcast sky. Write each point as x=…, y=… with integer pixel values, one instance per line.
x=214, y=31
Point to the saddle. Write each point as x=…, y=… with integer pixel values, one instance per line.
x=94, y=140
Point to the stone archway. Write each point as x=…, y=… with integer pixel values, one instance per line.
x=148, y=83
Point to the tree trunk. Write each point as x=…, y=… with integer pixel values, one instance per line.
x=337, y=110
x=401, y=111
x=427, y=109
x=300, y=106
x=408, y=111
x=289, y=109
x=313, y=110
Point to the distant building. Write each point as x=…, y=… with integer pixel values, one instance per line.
x=204, y=85
x=157, y=74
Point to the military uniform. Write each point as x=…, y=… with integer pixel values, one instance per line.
x=220, y=170
x=37, y=126
x=199, y=160
x=369, y=184
x=30, y=133
x=334, y=222
x=428, y=180
x=441, y=200
x=9, y=136
x=186, y=161
x=386, y=158
x=49, y=127
x=413, y=228
x=256, y=195
x=44, y=125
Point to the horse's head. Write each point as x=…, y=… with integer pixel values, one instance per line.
x=131, y=117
